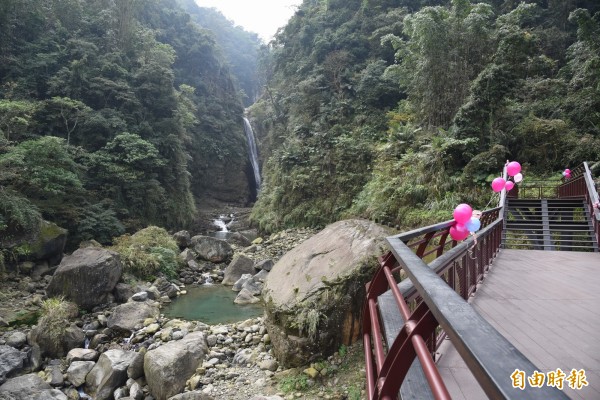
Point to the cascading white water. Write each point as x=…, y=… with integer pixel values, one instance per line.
x=253, y=152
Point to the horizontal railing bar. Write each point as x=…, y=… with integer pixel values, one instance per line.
x=490, y=357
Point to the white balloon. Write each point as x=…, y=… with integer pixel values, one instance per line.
x=518, y=177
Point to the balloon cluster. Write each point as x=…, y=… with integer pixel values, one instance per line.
x=513, y=169
x=567, y=173
x=466, y=221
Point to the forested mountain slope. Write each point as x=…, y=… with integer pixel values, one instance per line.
x=398, y=110
x=113, y=115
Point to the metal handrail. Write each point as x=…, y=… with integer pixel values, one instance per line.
x=582, y=183
x=435, y=302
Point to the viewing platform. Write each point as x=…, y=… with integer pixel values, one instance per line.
x=512, y=312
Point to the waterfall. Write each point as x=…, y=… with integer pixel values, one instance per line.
x=253, y=152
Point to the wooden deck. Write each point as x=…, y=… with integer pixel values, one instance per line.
x=547, y=304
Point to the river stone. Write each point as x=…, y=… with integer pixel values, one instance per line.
x=78, y=370
x=253, y=286
x=169, y=366
x=17, y=340
x=195, y=395
x=211, y=249
x=245, y=297
x=80, y=354
x=237, y=286
x=86, y=277
x=109, y=373
x=128, y=317
x=28, y=387
x=314, y=294
x=182, y=238
x=264, y=265
x=11, y=361
x=239, y=266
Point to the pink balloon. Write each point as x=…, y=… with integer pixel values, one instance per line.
x=462, y=213
x=518, y=177
x=498, y=184
x=458, y=232
x=509, y=185
x=568, y=171
x=513, y=168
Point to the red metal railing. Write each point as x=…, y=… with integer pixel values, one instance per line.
x=461, y=266
x=429, y=311
x=582, y=184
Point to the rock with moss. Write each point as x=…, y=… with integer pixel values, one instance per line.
x=314, y=294
x=55, y=334
x=87, y=277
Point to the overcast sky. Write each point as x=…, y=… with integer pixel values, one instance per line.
x=263, y=17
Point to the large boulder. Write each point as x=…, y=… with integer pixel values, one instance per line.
x=239, y=266
x=314, y=294
x=11, y=362
x=169, y=366
x=109, y=373
x=47, y=243
x=87, y=276
x=211, y=249
x=128, y=317
x=29, y=387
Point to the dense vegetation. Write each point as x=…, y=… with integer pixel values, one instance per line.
x=120, y=114
x=398, y=110
x=114, y=115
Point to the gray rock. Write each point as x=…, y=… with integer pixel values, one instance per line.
x=136, y=367
x=109, y=373
x=80, y=354
x=211, y=249
x=239, y=266
x=260, y=397
x=25, y=387
x=239, y=239
x=245, y=297
x=140, y=296
x=195, y=395
x=253, y=286
x=188, y=256
x=319, y=287
x=78, y=370
x=269, y=365
x=182, y=238
x=123, y=292
x=55, y=344
x=127, y=317
x=136, y=392
x=261, y=276
x=16, y=340
x=87, y=276
x=11, y=362
x=56, y=376
x=264, y=265
x=169, y=366
x=237, y=286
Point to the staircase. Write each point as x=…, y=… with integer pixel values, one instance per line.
x=548, y=224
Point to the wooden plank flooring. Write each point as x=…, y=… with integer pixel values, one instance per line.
x=547, y=304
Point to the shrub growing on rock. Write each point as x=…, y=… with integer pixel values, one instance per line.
x=149, y=252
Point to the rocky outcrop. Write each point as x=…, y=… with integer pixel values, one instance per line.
x=130, y=316
x=314, y=294
x=87, y=276
x=168, y=367
x=210, y=249
x=239, y=266
x=109, y=373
